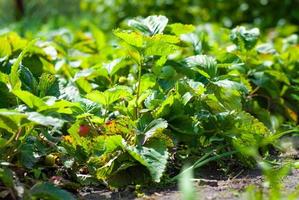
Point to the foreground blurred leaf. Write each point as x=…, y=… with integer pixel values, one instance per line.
x=186, y=185
x=49, y=191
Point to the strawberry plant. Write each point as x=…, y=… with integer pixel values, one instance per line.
x=132, y=109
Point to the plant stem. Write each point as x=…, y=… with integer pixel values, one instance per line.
x=138, y=91
x=92, y=125
x=204, y=160
x=12, y=137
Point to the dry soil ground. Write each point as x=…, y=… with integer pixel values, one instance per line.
x=207, y=189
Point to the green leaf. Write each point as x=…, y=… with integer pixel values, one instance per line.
x=153, y=100
x=5, y=49
x=11, y=120
x=48, y=85
x=227, y=96
x=279, y=75
x=172, y=39
x=4, y=78
x=84, y=85
x=113, y=142
x=185, y=126
x=207, y=64
x=14, y=79
x=29, y=82
x=180, y=29
x=110, y=96
x=27, y=156
x=167, y=72
x=197, y=87
x=244, y=38
x=108, y=169
x=231, y=85
x=186, y=98
x=165, y=107
x=98, y=97
x=111, y=160
x=247, y=133
x=49, y=191
x=61, y=106
x=44, y=120
x=194, y=40
x=7, y=98
x=6, y=177
x=154, y=159
x=266, y=48
x=83, y=73
x=29, y=99
x=147, y=81
x=3, y=142
x=114, y=66
x=131, y=38
x=160, y=49
x=99, y=37
x=151, y=25
x=153, y=127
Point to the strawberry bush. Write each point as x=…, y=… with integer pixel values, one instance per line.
x=133, y=107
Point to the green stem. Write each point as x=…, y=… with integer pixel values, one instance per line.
x=276, y=136
x=92, y=125
x=12, y=137
x=204, y=160
x=138, y=91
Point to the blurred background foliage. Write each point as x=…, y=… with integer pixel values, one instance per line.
x=109, y=14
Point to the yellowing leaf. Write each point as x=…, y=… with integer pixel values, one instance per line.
x=292, y=114
x=68, y=138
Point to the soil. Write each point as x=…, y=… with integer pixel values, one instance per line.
x=224, y=188
x=210, y=184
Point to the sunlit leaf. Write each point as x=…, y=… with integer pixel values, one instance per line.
x=151, y=25
x=206, y=63
x=29, y=99
x=132, y=38
x=179, y=29
x=245, y=38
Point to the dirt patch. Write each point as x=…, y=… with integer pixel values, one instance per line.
x=207, y=189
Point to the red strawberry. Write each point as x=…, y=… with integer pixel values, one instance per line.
x=84, y=130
